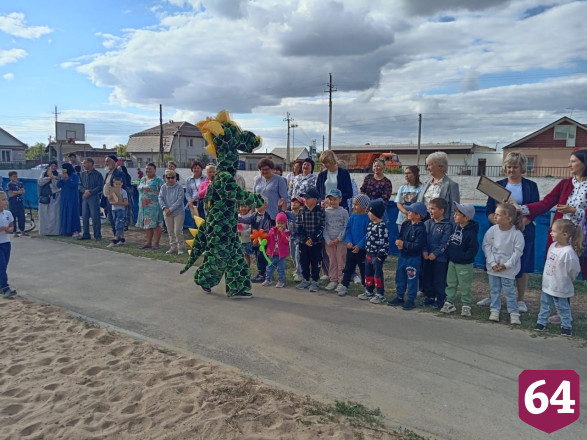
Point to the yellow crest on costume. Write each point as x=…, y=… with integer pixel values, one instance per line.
x=193, y=231
x=213, y=127
x=190, y=243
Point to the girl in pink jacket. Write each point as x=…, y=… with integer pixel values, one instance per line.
x=277, y=250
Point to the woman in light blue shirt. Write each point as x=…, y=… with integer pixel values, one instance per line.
x=272, y=186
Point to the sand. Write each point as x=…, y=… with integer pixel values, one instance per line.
x=62, y=377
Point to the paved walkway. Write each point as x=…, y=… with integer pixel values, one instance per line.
x=448, y=377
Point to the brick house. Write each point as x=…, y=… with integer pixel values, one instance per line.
x=551, y=146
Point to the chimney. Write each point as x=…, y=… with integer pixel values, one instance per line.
x=103, y=146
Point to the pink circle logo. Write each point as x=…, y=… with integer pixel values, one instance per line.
x=549, y=400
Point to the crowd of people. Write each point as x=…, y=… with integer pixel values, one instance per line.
x=325, y=225
x=329, y=225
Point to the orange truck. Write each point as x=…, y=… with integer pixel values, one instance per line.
x=364, y=161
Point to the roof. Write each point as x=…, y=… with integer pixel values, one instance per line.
x=452, y=147
x=148, y=144
x=259, y=155
x=67, y=148
x=294, y=153
x=548, y=127
x=147, y=141
x=20, y=143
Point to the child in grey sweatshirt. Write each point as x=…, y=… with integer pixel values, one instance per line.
x=336, y=218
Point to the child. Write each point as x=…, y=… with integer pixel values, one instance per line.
x=435, y=261
x=376, y=247
x=171, y=200
x=260, y=219
x=15, y=191
x=462, y=248
x=6, y=224
x=503, y=246
x=296, y=206
x=310, y=224
x=561, y=269
x=335, y=222
x=355, y=234
x=118, y=211
x=411, y=243
x=244, y=233
x=277, y=250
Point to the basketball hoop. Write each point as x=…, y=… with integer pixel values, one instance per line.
x=71, y=141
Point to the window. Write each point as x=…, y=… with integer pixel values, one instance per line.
x=565, y=132
x=190, y=142
x=6, y=156
x=530, y=164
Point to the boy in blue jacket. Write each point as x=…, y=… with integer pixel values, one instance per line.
x=435, y=261
x=462, y=248
x=411, y=243
x=356, y=232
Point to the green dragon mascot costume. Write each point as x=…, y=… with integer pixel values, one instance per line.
x=217, y=237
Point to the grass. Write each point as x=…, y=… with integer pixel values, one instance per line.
x=480, y=288
x=356, y=414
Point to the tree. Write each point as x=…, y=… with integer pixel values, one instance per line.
x=121, y=151
x=204, y=158
x=36, y=151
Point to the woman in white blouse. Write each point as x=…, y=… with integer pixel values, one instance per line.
x=192, y=186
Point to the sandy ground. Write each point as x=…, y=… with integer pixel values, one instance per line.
x=62, y=377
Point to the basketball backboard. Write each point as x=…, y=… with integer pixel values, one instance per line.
x=70, y=132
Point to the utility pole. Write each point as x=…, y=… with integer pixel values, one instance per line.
x=287, y=155
x=161, y=156
x=331, y=89
x=419, y=138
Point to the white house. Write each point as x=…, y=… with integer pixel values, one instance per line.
x=12, y=151
x=465, y=159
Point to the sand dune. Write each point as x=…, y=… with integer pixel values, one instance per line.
x=61, y=377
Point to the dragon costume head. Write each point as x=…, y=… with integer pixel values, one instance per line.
x=225, y=139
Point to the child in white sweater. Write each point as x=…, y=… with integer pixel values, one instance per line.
x=503, y=245
x=561, y=268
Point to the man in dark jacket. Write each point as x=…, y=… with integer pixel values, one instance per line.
x=90, y=186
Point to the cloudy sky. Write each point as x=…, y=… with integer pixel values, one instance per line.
x=483, y=71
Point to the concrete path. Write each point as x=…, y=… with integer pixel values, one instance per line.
x=446, y=377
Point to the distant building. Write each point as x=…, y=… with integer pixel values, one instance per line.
x=467, y=159
x=182, y=140
x=60, y=150
x=551, y=146
x=249, y=161
x=12, y=151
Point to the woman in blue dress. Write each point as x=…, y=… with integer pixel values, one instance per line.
x=70, y=224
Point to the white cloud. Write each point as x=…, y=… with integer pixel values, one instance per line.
x=11, y=56
x=390, y=59
x=16, y=25
x=8, y=76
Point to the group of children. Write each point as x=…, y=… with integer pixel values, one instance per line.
x=436, y=255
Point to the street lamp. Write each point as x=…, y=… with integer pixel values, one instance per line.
x=293, y=135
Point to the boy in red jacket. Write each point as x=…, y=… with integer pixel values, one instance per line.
x=277, y=250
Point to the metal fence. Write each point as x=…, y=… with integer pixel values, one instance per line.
x=497, y=171
x=19, y=165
